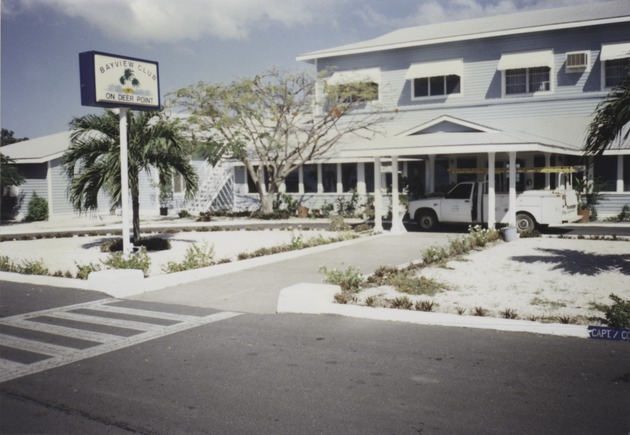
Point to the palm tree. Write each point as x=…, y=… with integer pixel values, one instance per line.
x=92, y=162
x=128, y=76
x=611, y=116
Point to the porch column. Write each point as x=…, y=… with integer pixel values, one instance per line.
x=512, y=209
x=49, y=175
x=301, y=180
x=339, y=179
x=361, y=188
x=397, y=226
x=430, y=174
x=320, y=178
x=378, y=198
x=492, y=216
x=547, y=174
x=620, y=185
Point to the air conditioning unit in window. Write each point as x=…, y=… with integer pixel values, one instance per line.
x=577, y=61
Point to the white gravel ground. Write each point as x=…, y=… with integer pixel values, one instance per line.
x=543, y=278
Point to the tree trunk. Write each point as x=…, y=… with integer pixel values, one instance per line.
x=266, y=203
x=135, y=207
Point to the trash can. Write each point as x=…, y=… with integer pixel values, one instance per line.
x=509, y=234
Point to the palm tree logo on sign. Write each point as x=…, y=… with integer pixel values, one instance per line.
x=129, y=81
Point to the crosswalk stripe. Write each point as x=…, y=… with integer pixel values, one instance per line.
x=138, y=312
x=86, y=318
x=61, y=355
x=34, y=346
x=100, y=337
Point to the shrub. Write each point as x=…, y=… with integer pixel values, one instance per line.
x=382, y=274
x=371, y=301
x=509, y=313
x=337, y=223
x=529, y=234
x=37, y=209
x=84, y=270
x=184, y=214
x=196, y=257
x=459, y=246
x=480, y=312
x=363, y=228
x=139, y=260
x=349, y=280
x=345, y=298
x=617, y=315
x=6, y=265
x=425, y=306
x=150, y=243
x=401, y=303
x=434, y=254
x=480, y=237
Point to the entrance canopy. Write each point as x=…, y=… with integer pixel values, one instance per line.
x=448, y=135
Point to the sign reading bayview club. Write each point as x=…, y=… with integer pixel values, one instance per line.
x=113, y=81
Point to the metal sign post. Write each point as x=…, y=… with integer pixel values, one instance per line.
x=124, y=182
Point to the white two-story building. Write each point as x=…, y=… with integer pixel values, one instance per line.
x=495, y=92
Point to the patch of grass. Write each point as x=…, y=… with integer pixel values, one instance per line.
x=547, y=303
x=460, y=310
x=415, y=285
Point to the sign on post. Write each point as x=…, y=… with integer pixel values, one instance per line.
x=120, y=82
x=113, y=81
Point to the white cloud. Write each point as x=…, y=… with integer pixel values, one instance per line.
x=177, y=20
x=436, y=11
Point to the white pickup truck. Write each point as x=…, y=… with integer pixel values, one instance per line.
x=464, y=204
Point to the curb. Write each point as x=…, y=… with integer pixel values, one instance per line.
x=309, y=298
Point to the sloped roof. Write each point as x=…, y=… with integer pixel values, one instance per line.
x=39, y=150
x=558, y=135
x=500, y=25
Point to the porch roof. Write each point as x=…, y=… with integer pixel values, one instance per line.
x=562, y=136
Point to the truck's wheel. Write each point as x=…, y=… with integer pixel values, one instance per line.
x=524, y=222
x=426, y=219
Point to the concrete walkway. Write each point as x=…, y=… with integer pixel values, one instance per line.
x=256, y=289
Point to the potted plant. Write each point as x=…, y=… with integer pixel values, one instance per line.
x=589, y=197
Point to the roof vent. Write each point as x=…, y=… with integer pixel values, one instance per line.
x=577, y=61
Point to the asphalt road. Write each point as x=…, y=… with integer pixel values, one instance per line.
x=254, y=373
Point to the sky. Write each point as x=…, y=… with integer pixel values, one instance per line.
x=214, y=41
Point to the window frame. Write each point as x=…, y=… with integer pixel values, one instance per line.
x=611, y=51
x=430, y=96
x=604, y=74
x=528, y=83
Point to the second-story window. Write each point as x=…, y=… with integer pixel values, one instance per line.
x=615, y=63
x=527, y=72
x=527, y=80
x=355, y=86
x=434, y=86
x=436, y=79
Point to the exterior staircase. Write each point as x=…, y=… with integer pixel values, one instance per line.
x=216, y=190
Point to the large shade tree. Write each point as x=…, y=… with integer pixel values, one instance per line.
x=92, y=162
x=611, y=118
x=277, y=121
